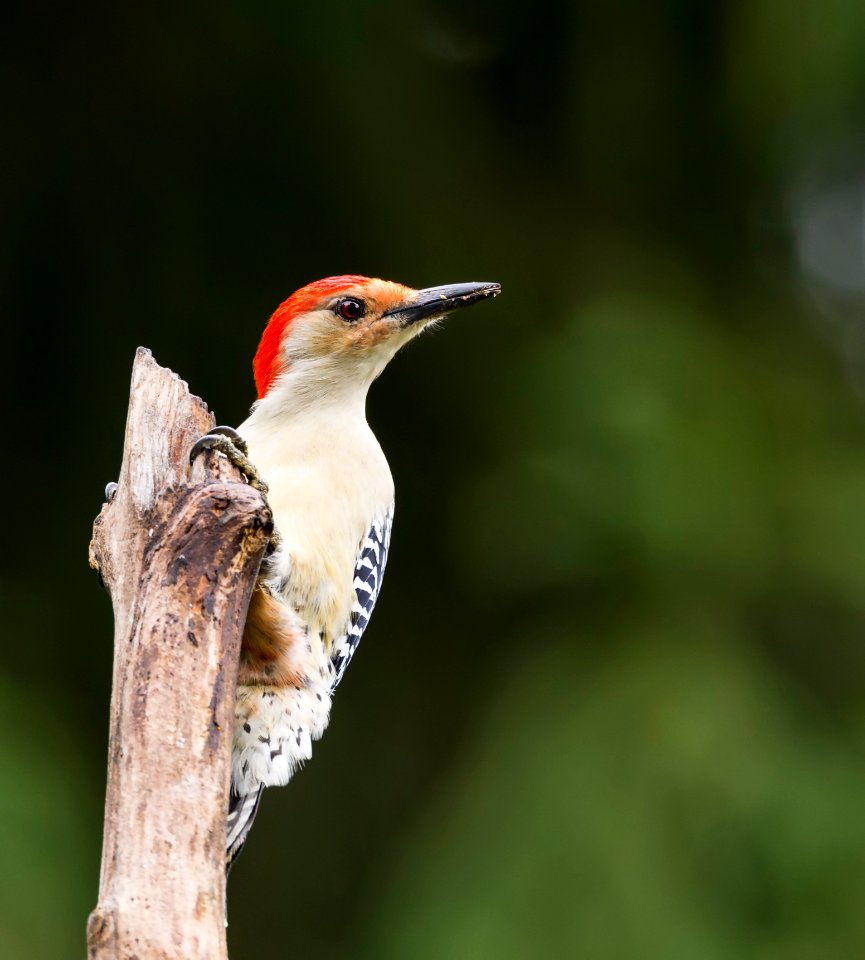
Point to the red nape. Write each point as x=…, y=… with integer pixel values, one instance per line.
x=266, y=365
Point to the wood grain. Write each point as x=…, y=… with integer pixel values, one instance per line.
x=179, y=552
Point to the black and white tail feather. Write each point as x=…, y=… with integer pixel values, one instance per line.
x=368, y=574
x=241, y=813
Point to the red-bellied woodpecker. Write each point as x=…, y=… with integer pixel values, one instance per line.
x=331, y=493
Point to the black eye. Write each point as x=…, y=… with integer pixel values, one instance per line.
x=350, y=309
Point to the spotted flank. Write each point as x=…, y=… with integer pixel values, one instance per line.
x=275, y=726
x=368, y=574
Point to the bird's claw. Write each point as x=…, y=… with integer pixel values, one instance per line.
x=232, y=434
x=227, y=440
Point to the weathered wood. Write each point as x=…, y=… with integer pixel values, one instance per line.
x=179, y=551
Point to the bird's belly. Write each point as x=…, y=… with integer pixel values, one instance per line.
x=321, y=514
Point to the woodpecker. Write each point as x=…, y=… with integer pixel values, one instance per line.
x=329, y=487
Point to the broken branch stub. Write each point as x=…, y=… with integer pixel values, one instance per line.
x=178, y=548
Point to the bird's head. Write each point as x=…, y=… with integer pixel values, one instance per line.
x=344, y=330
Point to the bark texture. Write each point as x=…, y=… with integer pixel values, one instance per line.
x=179, y=550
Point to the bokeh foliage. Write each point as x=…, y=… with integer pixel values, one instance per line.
x=611, y=701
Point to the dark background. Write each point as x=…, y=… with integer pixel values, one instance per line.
x=611, y=702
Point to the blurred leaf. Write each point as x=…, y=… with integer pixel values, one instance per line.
x=663, y=802
x=49, y=881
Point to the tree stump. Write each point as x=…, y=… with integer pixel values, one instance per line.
x=178, y=549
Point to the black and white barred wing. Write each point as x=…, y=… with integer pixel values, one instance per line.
x=368, y=574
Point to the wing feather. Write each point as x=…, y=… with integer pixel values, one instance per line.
x=368, y=574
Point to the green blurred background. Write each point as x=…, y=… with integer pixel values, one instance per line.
x=611, y=702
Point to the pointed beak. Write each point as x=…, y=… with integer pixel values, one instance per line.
x=435, y=301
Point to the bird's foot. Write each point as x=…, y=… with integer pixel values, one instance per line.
x=229, y=442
